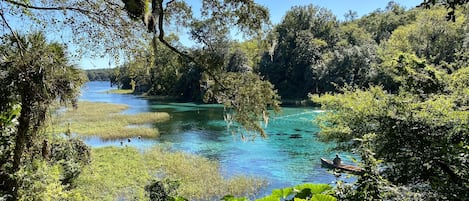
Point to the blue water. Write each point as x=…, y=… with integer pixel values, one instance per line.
x=289, y=156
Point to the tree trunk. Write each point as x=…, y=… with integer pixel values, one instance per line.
x=24, y=122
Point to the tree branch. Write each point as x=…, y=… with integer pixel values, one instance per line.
x=58, y=8
x=159, y=5
x=17, y=38
x=453, y=176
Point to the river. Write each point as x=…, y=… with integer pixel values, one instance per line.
x=289, y=156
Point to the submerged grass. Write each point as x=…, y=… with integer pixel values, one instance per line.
x=120, y=91
x=122, y=173
x=104, y=120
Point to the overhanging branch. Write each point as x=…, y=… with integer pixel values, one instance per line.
x=159, y=5
x=17, y=38
x=57, y=8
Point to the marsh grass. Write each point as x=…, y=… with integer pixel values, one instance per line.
x=120, y=91
x=200, y=178
x=122, y=173
x=104, y=120
x=114, y=173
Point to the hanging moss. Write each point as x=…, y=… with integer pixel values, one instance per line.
x=135, y=8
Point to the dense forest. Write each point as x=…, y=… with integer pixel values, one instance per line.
x=394, y=85
x=100, y=74
x=310, y=51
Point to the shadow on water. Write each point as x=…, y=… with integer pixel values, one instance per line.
x=289, y=156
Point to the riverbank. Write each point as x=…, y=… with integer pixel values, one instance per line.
x=285, y=102
x=106, y=121
x=121, y=173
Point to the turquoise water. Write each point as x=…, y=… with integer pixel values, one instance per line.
x=289, y=156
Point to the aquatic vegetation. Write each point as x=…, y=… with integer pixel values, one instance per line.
x=114, y=173
x=120, y=91
x=104, y=120
x=122, y=173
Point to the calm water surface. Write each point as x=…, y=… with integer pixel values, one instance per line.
x=289, y=156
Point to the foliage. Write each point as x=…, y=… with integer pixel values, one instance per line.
x=210, y=30
x=37, y=74
x=238, y=62
x=163, y=190
x=253, y=49
x=246, y=93
x=450, y=4
x=349, y=66
x=381, y=23
x=98, y=27
x=418, y=130
x=410, y=132
x=99, y=74
x=40, y=181
x=72, y=155
x=168, y=73
x=352, y=34
x=430, y=36
x=430, y=135
x=104, y=120
x=414, y=75
x=290, y=67
x=313, y=192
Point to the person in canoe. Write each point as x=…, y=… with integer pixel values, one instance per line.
x=336, y=163
x=337, y=160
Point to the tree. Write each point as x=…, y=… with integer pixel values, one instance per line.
x=450, y=4
x=430, y=36
x=37, y=73
x=422, y=144
x=304, y=35
x=350, y=15
x=381, y=23
x=349, y=66
x=411, y=134
x=210, y=31
x=238, y=62
x=416, y=133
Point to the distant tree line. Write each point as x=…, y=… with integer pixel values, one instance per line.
x=100, y=74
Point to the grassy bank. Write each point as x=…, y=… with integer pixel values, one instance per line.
x=120, y=91
x=122, y=173
x=104, y=120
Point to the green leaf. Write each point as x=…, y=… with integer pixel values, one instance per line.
x=322, y=197
x=269, y=198
x=315, y=188
x=283, y=193
x=299, y=199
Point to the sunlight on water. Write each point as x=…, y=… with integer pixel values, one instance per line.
x=289, y=156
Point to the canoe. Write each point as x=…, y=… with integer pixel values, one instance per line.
x=349, y=168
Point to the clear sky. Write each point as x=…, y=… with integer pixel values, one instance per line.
x=278, y=8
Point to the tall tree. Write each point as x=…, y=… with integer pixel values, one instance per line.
x=37, y=74
x=305, y=34
x=381, y=23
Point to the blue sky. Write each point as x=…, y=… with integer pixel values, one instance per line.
x=278, y=8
